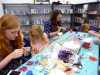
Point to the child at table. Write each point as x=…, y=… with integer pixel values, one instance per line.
x=38, y=39
x=11, y=43
x=85, y=26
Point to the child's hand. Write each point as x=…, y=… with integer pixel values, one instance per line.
x=17, y=53
x=59, y=29
x=26, y=51
x=35, y=51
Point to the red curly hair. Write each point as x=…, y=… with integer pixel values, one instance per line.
x=9, y=21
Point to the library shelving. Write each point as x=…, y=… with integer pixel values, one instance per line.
x=30, y=14
x=73, y=14
x=66, y=10
x=77, y=16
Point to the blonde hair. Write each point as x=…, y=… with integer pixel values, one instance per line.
x=36, y=33
x=85, y=27
x=8, y=21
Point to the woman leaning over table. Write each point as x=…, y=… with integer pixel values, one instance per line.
x=53, y=26
x=11, y=43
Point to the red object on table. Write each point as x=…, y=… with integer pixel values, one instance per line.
x=86, y=45
x=67, y=69
x=23, y=69
x=92, y=58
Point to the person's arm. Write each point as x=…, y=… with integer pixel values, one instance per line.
x=47, y=29
x=5, y=61
x=97, y=42
x=94, y=33
x=56, y=32
x=53, y=33
x=16, y=54
x=46, y=38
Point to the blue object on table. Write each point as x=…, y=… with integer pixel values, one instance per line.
x=29, y=73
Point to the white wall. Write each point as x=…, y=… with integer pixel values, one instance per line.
x=62, y=1
x=74, y=1
x=81, y=1
x=18, y=1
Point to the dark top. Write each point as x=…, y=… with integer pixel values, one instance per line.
x=13, y=64
x=47, y=26
x=94, y=28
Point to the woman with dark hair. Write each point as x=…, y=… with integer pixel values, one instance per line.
x=52, y=27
